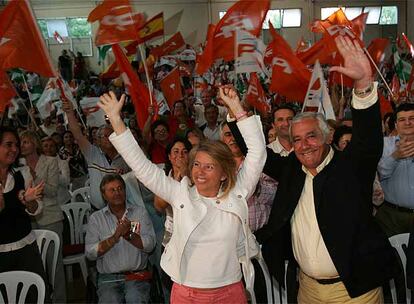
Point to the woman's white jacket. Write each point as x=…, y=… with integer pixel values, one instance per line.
x=184, y=198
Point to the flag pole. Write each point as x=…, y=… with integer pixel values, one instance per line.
x=144, y=59
x=342, y=84
x=30, y=115
x=376, y=68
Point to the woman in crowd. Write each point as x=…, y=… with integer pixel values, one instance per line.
x=77, y=164
x=175, y=167
x=45, y=168
x=180, y=122
x=211, y=233
x=341, y=138
x=49, y=148
x=18, y=248
x=194, y=136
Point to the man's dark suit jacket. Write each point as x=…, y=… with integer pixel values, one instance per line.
x=359, y=249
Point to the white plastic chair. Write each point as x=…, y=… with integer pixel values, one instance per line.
x=77, y=214
x=400, y=241
x=43, y=239
x=83, y=193
x=12, y=279
x=267, y=277
x=280, y=293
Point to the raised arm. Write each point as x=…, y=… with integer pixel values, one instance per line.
x=73, y=124
x=251, y=130
x=124, y=142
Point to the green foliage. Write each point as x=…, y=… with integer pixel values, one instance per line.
x=389, y=15
x=78, y=27
x=43, y=27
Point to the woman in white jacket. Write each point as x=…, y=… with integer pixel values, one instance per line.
x=211, y=233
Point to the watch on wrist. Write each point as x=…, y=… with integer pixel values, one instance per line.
x=364, y=92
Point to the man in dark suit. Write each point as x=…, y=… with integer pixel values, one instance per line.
x=322, y=212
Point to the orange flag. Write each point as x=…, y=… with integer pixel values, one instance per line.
x=152, y=28
x=174, y=43
x=244, y=15
x=117, y=22
x=7, y=90
x=21, y=44
x=139, y=92
x=290, y=77
x=256, y=96
x=171, y=87
x=337, y=18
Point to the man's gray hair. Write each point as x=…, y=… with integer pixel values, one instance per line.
x=102, y=128
x=323, y=125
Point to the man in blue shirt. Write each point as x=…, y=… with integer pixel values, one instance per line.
x=120, y=237
x=396, y=172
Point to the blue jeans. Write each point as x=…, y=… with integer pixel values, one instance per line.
x=112, y=288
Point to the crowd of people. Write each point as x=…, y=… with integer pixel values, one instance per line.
x=201, y=190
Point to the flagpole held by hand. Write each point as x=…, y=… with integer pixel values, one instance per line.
x=376, y=68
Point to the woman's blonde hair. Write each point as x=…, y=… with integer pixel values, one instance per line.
x=218, y=151
x=34, y=138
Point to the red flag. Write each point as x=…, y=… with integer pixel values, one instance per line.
x=408, y=44
x=377, y=50
x=358, y=24
x=174, y=43
x=21, y=44
x=244, y=15
x=290, y=77
x=395, y=85
x=139, y=92
x=318, y=51
x=301, y=46
x=385, y=104
x=116, y=22
x=256, y=96
x=410, y=84
x=57, y=37
x=171, y=87
x=204, y=60
x=7, y=90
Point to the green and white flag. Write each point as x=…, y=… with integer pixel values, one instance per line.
x=402, y=68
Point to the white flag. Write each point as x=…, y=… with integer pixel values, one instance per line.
x=250, y=51
x=95, y=116
x=45, y=104
x=317, y=96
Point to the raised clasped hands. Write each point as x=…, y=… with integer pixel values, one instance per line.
x=356, y=63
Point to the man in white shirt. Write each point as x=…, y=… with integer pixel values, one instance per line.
x=211, y=129
x=282, y=116
x=120, y=237
x=323, y=215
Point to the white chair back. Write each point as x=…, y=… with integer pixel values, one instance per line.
x=267, y=277
x=399, y=242
x=44, y=238
x=12, y=279
x=77, y=214
x=81, y=194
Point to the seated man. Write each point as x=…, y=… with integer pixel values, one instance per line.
x=120, y=237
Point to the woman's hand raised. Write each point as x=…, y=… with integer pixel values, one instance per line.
x=112, y=107
x=231, y=100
